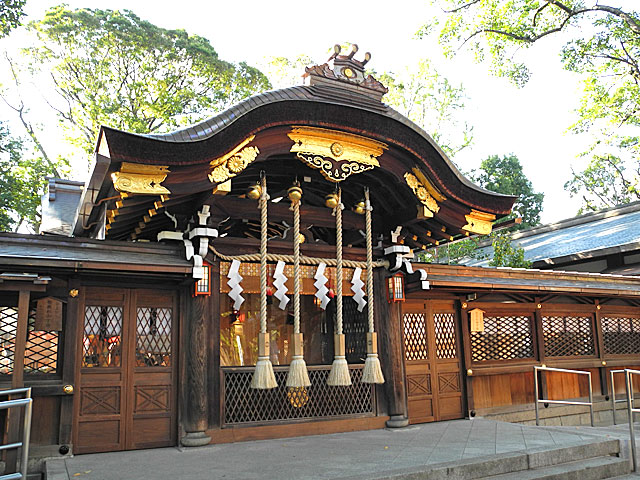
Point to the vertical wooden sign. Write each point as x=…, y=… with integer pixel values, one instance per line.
x=48, y=315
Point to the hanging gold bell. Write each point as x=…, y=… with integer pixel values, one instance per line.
x=254, y=192
x=294, y=193
x=359, y=207
x=331, y=200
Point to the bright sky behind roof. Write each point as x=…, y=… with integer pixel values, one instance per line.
x=529, y=122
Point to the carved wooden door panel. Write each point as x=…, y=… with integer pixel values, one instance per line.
x=417, y=355
x=432, y=361
x=126, y=375
x=153, y=395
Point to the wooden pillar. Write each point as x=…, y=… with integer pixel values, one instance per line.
x=214, y=346
x=466, y=355
x=195, y=395
x=602, y=370
x=73, y=320
x=537, y=320
x=14, y=415
x=389, y=319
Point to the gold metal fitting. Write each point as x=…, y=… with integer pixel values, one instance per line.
x=294, y=193
x=254, y=192
x=464, y=305
x=359, y=207
x=539, y=305
x=544, y=365
x=73, y=293
x=469, y=372
x=331, y=200
x=68, y=389
x=604, y=363
x=598, y=307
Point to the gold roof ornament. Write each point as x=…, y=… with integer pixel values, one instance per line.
x=140, y=178
x=232, y=163
x=479, y=222
x=421, y=192
x=336, y=154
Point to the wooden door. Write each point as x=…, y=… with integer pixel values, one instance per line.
x=432, y=361
x=126, y=371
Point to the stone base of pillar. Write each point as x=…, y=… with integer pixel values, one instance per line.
x=397, y=421
x=195, y=439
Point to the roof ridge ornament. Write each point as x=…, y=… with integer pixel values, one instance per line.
x=347, y=72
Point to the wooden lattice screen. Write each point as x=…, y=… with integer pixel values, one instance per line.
x=566, y=336
x=445, y=335
x=41, y=349
x=621, y=335
x=244, y=405
x=355, y=327
x=415, y=336
x=505, y=337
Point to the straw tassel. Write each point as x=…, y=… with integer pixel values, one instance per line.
x=339, y=374
x=298, y=375
x=263, y=376
x=372, y=372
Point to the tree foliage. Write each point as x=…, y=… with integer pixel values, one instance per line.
x=22, y=181
x=505, y=175
x=505, y=254
x=606, y=182
x=113, y=68
x=602, y=45
x=11, y=11
x=429, y=99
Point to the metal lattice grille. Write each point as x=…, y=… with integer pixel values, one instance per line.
x=101, y=341
x=41, y=350
x=445, y=335
x=8, y=325
x=354, y=327
x=153, y=337
x=243, y=404
x=567, y=336
x=504, y=338
x=621, y=335
x=415, y=336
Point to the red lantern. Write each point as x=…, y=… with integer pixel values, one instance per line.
x=203, y=286
x=395, y=288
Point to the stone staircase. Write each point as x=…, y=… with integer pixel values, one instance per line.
x=586, y=461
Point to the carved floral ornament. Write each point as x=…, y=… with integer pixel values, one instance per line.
x=232, y=163
x=337, y=155
x=140, y=178
x=421, y=192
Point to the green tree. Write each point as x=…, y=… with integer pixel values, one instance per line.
x=505, y=175
x=602, y=45
x=22, y=181
x=11, y=11
x=606, y=182
x=113, y=68
x=505, y=254
x=429, y=99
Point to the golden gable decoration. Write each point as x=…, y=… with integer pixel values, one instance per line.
x=337, y=155
x=140, y=178
x=231, y=164
x=421, y=192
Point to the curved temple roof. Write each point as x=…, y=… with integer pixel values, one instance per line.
x=283, y=133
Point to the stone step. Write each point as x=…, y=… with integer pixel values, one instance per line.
x=516, y=464
x=596, y=468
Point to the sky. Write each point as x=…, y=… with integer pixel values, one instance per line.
x=530, y=122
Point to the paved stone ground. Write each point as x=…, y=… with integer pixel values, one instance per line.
x=321, y=456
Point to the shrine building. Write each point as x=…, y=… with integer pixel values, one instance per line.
x=255, y=276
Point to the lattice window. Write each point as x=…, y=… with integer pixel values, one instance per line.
x=567, y=336
x=153, y=337
x=621, y=335
x=504, y=338
x=101, y=344
x=415, y=336
x=8, y=325
x=445, y=335
x=244, y=404
x=41, y=350
x=355, y=326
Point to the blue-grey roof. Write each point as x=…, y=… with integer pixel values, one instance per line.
x=587, y=236
x=59, y=205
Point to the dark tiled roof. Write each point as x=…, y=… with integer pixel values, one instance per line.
x=583, y=237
